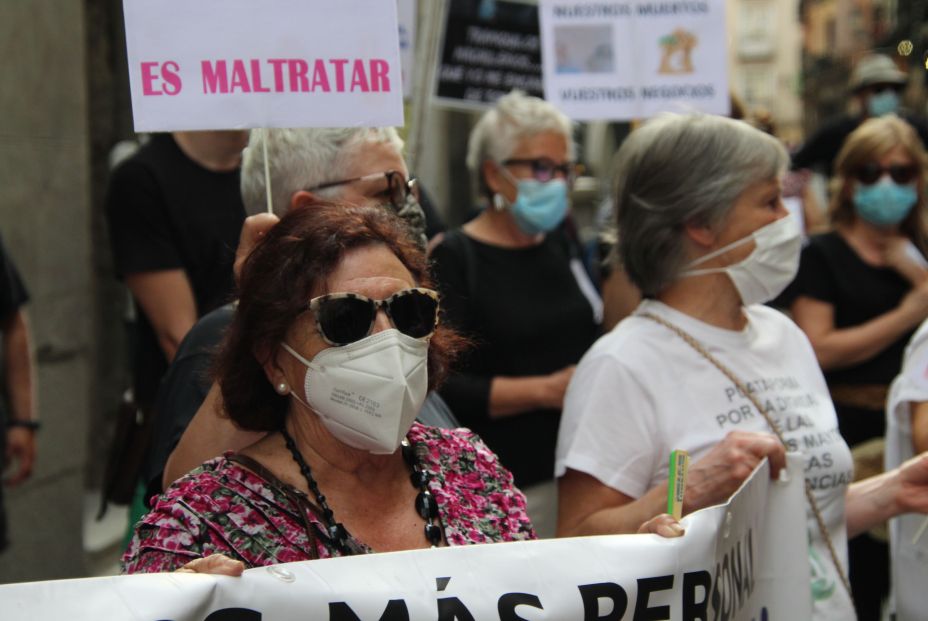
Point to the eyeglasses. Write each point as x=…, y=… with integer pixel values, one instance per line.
x=344, y=318
x=544, y=169
x=399, y=189
x=869, y=174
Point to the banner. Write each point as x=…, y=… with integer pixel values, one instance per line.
x=633, y=59
x=744, y=560
x=235, y=64
x=489, y=47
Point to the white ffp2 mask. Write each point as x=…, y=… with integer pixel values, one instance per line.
x=368, y=393
x=771, y=266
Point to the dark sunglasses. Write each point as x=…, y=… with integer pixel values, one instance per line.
x=544, y=169
x=869, y=174
x=399, y=189
x=344, y=318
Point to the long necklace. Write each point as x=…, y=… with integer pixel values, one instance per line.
x=426, y=506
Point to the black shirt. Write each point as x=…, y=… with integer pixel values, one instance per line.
x=167, y=212
x=526, y=315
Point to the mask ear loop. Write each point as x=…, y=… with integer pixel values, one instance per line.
x=500, y=202
x=305, y=362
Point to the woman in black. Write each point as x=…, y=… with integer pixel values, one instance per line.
x=512, y=281
x=861, y=291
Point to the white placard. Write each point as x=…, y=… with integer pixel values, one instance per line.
x=406, y=11
x=235, y=64
x=634, y=59
x=745, y=560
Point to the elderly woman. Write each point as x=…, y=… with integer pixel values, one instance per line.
x=333, y=347
x=512, y=283
x=862, y=290
x=702, y=365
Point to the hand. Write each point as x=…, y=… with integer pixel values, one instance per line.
x=715, y=477
x=20, y=448
x=911, y=494
x=555, y=387
x=915, y=304
x=216, y=564
x=254, y=228
x=664, y=525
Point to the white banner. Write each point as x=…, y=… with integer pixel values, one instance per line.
x=633, y=59
x=235, y=64
x=745, y=560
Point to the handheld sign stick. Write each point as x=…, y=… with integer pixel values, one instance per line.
x=267, y=173
x=921, y=531
x=676, y=483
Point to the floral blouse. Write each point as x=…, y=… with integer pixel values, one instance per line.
x=223, y=507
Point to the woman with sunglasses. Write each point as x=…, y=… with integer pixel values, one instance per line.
x=511, y=280
x=334, y=344
x=861, y=291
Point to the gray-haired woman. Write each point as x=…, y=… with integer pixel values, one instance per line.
x=512, y=281
x=703, y=233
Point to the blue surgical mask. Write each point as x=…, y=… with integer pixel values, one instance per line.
x=884, y=203
x=540, y=206
x=882, y=103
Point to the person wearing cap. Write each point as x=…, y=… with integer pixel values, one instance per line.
x=876, y=84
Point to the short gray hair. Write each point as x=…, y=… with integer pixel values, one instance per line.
x=513, y=118
x=303, y=158
x=677, y=170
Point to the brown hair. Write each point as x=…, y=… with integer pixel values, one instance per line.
x=873, y=139
x=277, y=280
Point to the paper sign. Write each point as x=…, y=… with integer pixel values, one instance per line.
x=234, y=64
x=742, y=561
x=489, y=48
x=406, y=11
x=634, y=59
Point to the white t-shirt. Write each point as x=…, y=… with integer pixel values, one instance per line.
x=641, y=391
x=909, y=562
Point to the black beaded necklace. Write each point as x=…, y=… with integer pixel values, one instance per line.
x=426, y=506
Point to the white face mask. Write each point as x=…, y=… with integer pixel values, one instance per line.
x=368, y=393
x=770, y=267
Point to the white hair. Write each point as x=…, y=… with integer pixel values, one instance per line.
x=300, y=159
x=678, y=169
x=513, y=118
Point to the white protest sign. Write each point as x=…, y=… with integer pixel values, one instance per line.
x=235, y=64
x=407, y=14
x=742, y=561
x=635, y=58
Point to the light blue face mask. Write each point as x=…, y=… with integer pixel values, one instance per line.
x=886, y=102
x=540, y=205
x=884, y=203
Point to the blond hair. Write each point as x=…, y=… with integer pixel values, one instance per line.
x=873, y=139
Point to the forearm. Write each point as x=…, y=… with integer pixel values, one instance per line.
x=513, y=395
x=623, y=519
x=20, y=368
x=871, y=502
x=849, y=346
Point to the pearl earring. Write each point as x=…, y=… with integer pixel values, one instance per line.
x=499, y=202
x=282, y=388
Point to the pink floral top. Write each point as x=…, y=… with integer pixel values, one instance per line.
x=223, y=507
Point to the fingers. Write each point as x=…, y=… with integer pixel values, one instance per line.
x=20, y=451
x=216, y=564
x=664, y=525
x=254, y=228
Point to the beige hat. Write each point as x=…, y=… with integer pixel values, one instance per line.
x=875, y=69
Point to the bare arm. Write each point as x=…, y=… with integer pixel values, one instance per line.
x=209, y=434
x=875, y=500
x=588, y=507
x=167, y=300
x=514, y=395
x=20, y=371
x=839, y=348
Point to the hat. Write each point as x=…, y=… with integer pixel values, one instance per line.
x=876, y=69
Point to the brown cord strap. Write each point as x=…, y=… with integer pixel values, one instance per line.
x=692, y=342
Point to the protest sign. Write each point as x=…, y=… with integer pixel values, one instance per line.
x=634, y=58
x=488, y=49
x=744, y=560
x=234, y=64
x=407, y=15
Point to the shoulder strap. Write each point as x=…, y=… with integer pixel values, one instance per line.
x=810, y=497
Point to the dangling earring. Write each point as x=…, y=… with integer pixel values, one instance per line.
x=282, y=388
x=499, y=202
